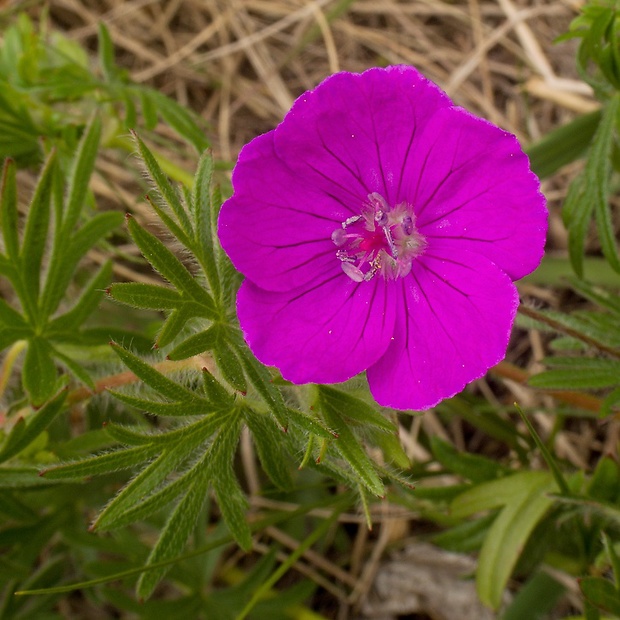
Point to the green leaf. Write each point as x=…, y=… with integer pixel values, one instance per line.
x=39, y=372
x=589, y=192
x=187, y=436
x=22, y=478
x=9, y=215
x=146, y=296
x=606, y=232
x=149, y=109
x=79, y=177
x=471, y=466
x=466, y=536
x=167, y=192
x=139, y=489
x=349, y=447
x=86, y=304
x=230, y=498
x=536, y=599
x=38, y=422
x=496, y=493
x=229, y=365
x=614, y=560
x=205, y=223
x=605, y=482
x=310, y=424
x=355, y=409
x=576, y=213
x=605, y=509
x=525, y=500
x=610, y=403
x=96, y=228
x=152, y=377
x=269, y=442
x=177, y=447
x=198, y=406
x=106, y=53
x=393, y=452
x=177, y=530
x=66, y=258
x=175, y=323
x=563, y=145
x=581, y=378
x=181, y=121
x=261, y=379
x=604, y=298
x=73, y=367
x=157, y=500
x=102, y=463
x=215, y=391
x=196, y=344
x=9, y=335
x=10, y=318
x=167, y=264
x=35, y=234
x=601, y=593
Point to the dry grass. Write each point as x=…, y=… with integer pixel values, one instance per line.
x=241, y=63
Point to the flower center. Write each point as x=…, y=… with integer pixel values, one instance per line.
x=382, y=239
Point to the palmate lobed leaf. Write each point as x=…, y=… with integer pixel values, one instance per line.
x=216, y=469
x=175, y=448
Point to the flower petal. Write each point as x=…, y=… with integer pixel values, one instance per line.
x=324, y=334
x=452, y=325
x=277, y=229
x=351, y=135
x=470, y=183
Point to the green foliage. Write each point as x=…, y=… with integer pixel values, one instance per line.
x=50, y=228
x=158, y=467
x=598, y=58
x=49, y=90
x=589, y=193
x=594, y=365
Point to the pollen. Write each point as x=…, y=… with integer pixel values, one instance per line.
x=381, y=240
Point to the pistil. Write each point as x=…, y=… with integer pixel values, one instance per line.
x=381, y=240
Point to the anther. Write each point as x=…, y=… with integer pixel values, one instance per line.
x=407, y=225
x=351, y=220
x=381, y=218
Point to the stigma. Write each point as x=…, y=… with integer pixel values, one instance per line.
x=382, y=240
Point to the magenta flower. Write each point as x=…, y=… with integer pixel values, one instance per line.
x=380, y=228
